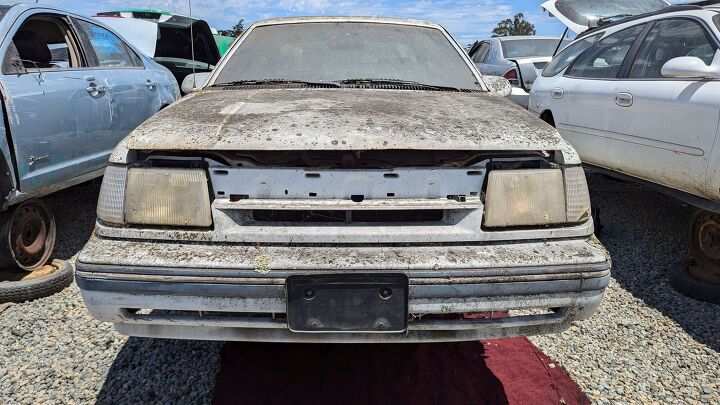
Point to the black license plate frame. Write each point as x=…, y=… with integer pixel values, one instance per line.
x=347, y=303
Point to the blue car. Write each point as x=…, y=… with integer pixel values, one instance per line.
x=71, y=90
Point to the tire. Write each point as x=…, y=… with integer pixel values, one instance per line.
x=682, y=281
x=27, y=290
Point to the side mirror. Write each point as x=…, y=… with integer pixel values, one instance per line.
x=498, y=85
x=194, y=82
x=690, y=67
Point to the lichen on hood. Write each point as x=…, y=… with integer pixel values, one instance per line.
x=344, y=119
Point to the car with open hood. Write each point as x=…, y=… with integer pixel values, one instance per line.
x=343, y=179
x=70, y=90
x=639, y=98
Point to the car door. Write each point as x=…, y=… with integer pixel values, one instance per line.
x=668, y=124
x=52, y=103
x=132, y=90
x=495, y=64
x=585, y=109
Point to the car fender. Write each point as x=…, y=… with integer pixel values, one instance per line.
x=712, y=176
x=8, y=181
x=168, y=87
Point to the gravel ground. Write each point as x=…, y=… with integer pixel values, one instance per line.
x=52, y=351
x=647, y=344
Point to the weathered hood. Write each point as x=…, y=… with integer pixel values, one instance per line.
x=343, y=119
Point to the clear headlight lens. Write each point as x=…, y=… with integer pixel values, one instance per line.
x=155, y=196
x=536, y=197
x=161, y=196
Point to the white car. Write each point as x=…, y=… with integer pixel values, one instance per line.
x=379, y=192
x=641, y=98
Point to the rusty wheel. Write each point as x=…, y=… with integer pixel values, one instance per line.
x=705, y=240
x=27, y=236
x=696, y=281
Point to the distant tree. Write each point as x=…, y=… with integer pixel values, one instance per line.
x=516, y=26
x=236, y=30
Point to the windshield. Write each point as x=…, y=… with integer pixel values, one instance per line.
x=522, y=48
x=330, y=52
x=580, y=11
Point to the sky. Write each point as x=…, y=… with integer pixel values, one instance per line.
x=467, y=20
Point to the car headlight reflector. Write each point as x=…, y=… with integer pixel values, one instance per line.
x=577, y=196
x=161, y=196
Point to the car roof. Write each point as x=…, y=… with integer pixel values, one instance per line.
x=357, y=19
x=516, y=37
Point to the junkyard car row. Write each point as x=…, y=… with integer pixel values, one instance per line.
x=360, y=182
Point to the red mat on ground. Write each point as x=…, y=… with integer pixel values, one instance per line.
x=509, y=371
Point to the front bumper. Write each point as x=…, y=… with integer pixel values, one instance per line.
x=237, y=292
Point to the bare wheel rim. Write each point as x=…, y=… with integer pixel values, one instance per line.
x=32, y=235
x=709, y=237
x=704, y=239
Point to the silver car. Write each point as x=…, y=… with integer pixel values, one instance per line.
x=343, y=179
x=519, y=59
x=71, y=90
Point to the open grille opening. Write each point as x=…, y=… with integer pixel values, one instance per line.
x=364, y=216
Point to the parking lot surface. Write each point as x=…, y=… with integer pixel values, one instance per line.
x=646, y=344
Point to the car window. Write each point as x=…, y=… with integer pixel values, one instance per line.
x=670, y=39
x=110, y=50
x=604, y=59
x=524, y=48
x=568, y=55
x=42, y=42
x=482, y=53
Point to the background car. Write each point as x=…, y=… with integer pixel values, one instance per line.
x=641, y=98
x=71, y=90
x=520, y=59
x=165, y=37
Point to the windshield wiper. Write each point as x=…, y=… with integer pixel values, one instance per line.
x=256, y=82
x=612, y=18
x=395, y=82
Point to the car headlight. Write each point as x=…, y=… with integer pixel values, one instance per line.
x=155, y=196
x=534, y=197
